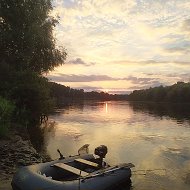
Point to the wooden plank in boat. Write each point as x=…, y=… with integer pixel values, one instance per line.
x=109, y=169
x=71, y=169
x=87, y=162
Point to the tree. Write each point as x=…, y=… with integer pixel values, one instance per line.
x=26, y=36
x=27, y=50
x=177, y=93
x=30, y=94
x=6, y=110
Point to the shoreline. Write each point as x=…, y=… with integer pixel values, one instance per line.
x=16, y=151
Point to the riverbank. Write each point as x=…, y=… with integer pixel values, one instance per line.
x=16, y=151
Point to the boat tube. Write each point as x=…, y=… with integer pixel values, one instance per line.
x=71, y=173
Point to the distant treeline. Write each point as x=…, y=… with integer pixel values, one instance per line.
x=64, y=94
x=177, y=93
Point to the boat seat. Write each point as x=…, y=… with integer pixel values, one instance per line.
x=71, y=169
x=87, y=162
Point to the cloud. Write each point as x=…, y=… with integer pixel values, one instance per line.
x=92, y=78
x=122, y=38
x=81, y=78
x=79, y=61
x=171, y=78
x=141, y=62
x=146, y=86
x=178, y=50
x=180, y=77
x=186, y=25
x=136, y=80
x=93, y=29
x=179, y=47
x=156, y=62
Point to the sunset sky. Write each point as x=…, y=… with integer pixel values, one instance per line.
x=118, y=46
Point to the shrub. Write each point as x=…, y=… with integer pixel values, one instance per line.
x=6, y=110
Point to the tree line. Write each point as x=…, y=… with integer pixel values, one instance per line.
x=66, y=95
x=177, y=93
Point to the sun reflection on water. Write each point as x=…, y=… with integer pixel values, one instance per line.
x=106, y=107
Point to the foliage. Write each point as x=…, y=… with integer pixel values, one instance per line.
x=177, y=93
x=29, y=92
x=31, y=95
x=6, y=110
x=64, y=94
x=27, y=50
x=26, y=37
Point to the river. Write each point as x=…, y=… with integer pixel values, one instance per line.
x=154, y=137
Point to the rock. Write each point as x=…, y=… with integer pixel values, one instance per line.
x=10, y=163
x=15, y=152
x=16, y=139
x=20, y=161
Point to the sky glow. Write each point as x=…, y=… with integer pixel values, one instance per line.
x=123, y=45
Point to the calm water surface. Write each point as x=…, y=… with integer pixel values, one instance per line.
x=156, y=138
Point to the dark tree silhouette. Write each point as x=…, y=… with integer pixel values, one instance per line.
x=27, y=50
x=26, y=37
x=177, y=93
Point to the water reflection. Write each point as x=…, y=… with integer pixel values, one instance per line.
x=147, y=135
x=40, y=133
x=178, y=112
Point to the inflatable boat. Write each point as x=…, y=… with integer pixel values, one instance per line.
x=79, y=172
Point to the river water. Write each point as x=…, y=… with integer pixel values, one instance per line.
x=154, y=137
